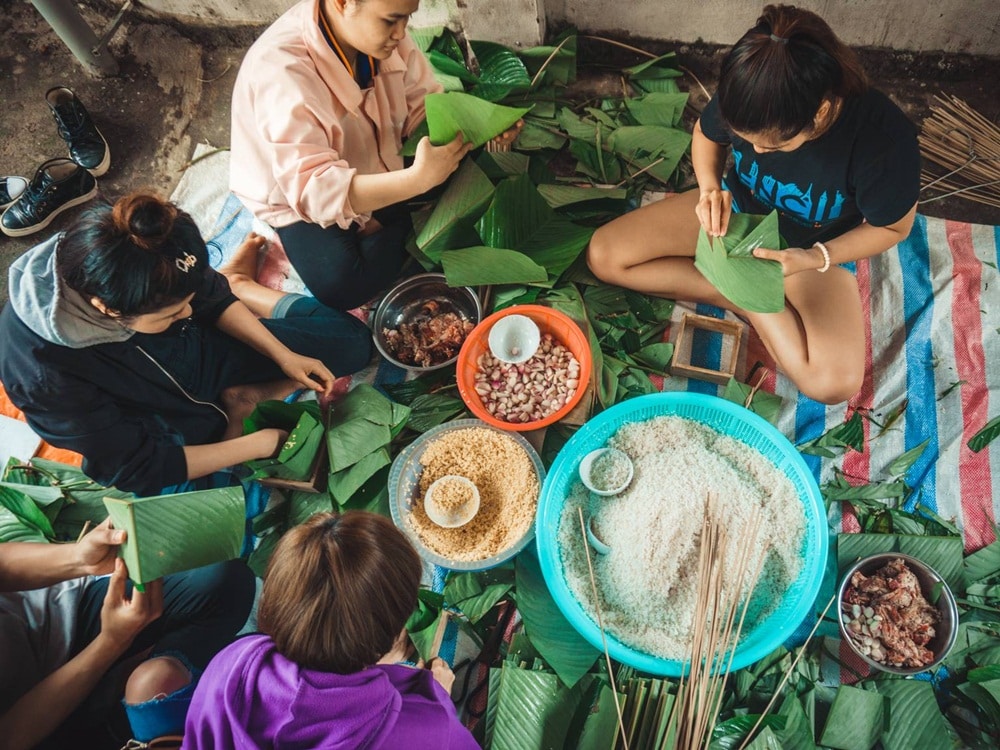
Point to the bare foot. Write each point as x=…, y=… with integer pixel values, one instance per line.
x=241, y=272
x=242, y=267
x=240, y=401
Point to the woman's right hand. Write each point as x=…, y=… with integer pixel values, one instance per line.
x=432, y=164
x=441, y=671
x=713, y=211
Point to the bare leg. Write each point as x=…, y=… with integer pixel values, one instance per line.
x=241, y=271
x=818, y=339
x=156, y=678
x=240, y=401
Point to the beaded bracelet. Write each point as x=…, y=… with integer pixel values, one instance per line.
x=826, y=257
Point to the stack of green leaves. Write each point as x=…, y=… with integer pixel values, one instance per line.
x=728, y=262
x=297, y=458
x=45, y=501
x=361, y=427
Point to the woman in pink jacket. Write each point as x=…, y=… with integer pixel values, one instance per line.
x=322, y=104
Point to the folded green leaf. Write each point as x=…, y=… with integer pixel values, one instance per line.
x=475, y=266
x=424, y=36
x=452, y=222
x=279, y=414
x=432, y=409
x=657, y=109
x=422, y=623
x=13, y=529
x=351, y=441
x=855, y=721
x=479, y=121
x=655, y=148
x=914, y=717
x=25, y=509
x=849, y=434
x=363, y=401
x=556, y=640
x=539, y=133
x=727, y=262
x=452, y=68
x=173, y=533
x=500, y=164
x=343, y=484
x=519, y=219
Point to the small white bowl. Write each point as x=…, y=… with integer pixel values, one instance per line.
x=587, y=464
x=459, y=517
x=599, y=547
x=514, y=339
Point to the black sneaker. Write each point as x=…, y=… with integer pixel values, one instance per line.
x=87, y=146
x=57, y=185
x=11, y=188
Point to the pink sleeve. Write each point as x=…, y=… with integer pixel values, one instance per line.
x=308, y=170
x=420, y=82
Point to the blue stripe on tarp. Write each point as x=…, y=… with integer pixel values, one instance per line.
x=918, y=311
x=810, y=423
x=996, y=243
x=706, y=351
x=449, y=643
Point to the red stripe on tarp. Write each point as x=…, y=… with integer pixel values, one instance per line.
x=970, y=362
x=857, y=465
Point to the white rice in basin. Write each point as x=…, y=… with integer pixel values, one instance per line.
x=647, y=584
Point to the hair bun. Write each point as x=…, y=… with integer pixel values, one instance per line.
x=145, y=217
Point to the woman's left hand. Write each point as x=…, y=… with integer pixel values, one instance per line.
x=793, y=260
x=510, y=135
x=310, y=372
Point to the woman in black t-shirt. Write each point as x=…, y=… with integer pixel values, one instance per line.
x=837, y=160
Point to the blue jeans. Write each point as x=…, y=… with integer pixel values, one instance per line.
x=203, y=609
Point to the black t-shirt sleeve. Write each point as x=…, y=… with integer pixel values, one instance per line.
x=712, y=125
x=886, y=168
x=212, y=299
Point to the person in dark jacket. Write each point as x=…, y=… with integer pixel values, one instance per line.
x=120, y=342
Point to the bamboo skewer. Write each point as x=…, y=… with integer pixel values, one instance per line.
x=600, y=624
x=967, y=145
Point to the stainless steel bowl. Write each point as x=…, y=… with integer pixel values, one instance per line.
x=404, y=301
x=946, y=629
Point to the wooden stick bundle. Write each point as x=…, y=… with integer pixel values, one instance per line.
x=966, y=147
x=718, y=621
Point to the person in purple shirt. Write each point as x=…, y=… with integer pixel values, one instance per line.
x=323, y=671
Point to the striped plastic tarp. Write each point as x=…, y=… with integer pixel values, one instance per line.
x=932, y=331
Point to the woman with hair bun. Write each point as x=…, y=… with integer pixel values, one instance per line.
x=324, y=671
x=121, y=342
x=811, y=139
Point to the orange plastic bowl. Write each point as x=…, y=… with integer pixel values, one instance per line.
x=561, y=327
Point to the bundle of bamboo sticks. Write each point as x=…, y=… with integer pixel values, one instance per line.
x=964, y=146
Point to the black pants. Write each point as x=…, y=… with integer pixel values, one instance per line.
x=343, y=270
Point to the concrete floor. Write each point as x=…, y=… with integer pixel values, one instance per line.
x=174, y=92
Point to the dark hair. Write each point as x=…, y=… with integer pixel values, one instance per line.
x=137, y=256
x=338, y=590
x=777, y=75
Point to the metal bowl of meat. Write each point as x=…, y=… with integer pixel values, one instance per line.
x=422, y=322
x=897, y=613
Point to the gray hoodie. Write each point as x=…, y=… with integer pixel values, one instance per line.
x=51, y=309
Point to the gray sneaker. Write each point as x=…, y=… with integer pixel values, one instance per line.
x=58, y=184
